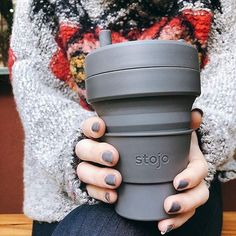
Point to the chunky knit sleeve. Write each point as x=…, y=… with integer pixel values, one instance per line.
x=218, y=130
x=49, y=109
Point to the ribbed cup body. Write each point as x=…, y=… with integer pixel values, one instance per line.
x=147, y=111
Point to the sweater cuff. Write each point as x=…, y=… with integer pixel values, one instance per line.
x=214, y=141
x=74, y=187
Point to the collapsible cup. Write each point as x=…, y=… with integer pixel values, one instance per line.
x=144, y=91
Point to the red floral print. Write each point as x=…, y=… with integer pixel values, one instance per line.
x=153, y=31
x=60, y=65
x=67, y=63
x=11, y=61
x=65, y=33
x=201, y=21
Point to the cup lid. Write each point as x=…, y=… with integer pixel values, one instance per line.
x=141, y=54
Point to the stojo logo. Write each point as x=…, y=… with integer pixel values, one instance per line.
x=154, y=160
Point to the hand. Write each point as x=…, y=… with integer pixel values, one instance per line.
x=190, y=183
x=101, y=181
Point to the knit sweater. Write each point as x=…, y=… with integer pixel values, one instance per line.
x=49, y=42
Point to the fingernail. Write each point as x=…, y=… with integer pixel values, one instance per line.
x=107, y=156
x=110, y=180
x=95, y=127
x=199, y=110
x=182, y=184
x=175, y=207
x=168, y=229
x=107, y=197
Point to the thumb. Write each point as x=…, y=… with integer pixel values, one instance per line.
x=196, y=118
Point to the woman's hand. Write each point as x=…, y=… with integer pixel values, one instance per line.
x=102, y=182
x=190, y=183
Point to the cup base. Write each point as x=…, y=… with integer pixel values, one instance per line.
x=144, y=202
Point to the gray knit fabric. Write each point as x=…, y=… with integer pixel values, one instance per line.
x=51, y=114
x=51, y=119
x=218, y=99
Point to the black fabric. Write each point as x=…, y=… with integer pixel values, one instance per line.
x=102, y=220
x=43, y=228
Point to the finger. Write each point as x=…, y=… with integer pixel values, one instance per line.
x=165, y=226
x=101, y=177
x=196, y=170
x=187, y=201
x=103, y=194
x=102, y=153
x=93, y=127
x=196, y=118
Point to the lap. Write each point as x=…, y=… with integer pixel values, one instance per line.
x=102, y=220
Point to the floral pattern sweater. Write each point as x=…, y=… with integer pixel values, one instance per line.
x=49, y=42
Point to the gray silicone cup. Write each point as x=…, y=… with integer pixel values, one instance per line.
x=145, y=100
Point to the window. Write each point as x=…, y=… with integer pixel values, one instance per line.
x=6, y=18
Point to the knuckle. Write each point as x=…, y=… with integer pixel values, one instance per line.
x=89, y=189
x=192, y=213
x=77, y=148
x=80, y=145
x=187, y=203
x=94, y=191
x=206, y=193
x=205, y=168
x=79, y=169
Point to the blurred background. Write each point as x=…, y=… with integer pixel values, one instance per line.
x=12, y=136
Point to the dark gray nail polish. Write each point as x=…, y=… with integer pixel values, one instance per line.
x=198, y=110
x=95, y=127
x=182, y=184
x=175, y=207
x=168, y=229
x=107, y=197
x=107, y=156
x=110, y=180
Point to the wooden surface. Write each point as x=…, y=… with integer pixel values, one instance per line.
x=229, y=227
x=19, y=225
x=15, y=225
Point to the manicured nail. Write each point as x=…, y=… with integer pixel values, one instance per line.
x=168, y=229
x=182, y=184
x=107, y=156
x=110, y=180
x=175, y=207
x=95, y=127
x=107, y=197
x=199, y=110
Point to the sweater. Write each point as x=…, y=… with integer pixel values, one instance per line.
x=49, y=42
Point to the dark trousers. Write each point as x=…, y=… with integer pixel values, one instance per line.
x=102, y=220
